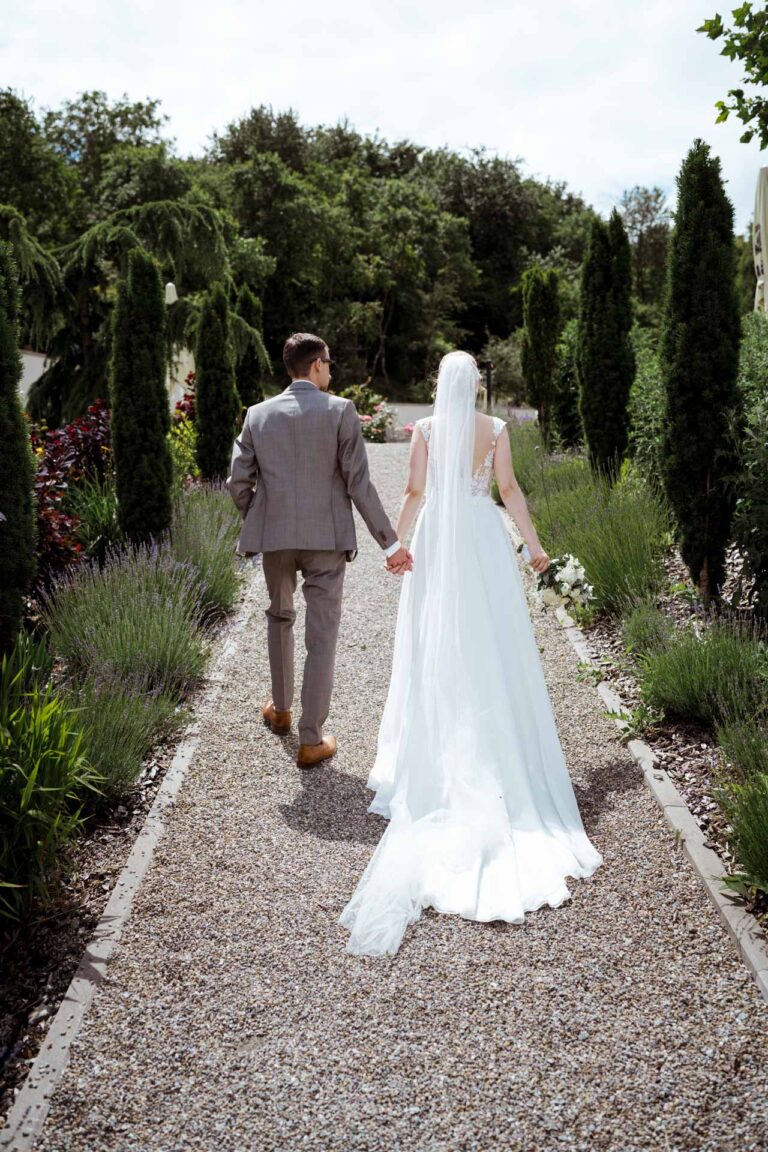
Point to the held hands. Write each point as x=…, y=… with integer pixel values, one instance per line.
x=399, y=562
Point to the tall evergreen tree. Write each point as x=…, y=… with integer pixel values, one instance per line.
x=139, y=401
x=17, y=507
x=253, y=362
x=605, y=359
x=541, y=319
x=700, y=360
x=565, y=406
x=217, y=404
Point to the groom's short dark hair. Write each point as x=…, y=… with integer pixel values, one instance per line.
x=300, y=350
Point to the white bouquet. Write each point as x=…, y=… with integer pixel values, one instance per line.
x=564, y=582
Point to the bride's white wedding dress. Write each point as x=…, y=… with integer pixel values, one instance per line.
x=469, y=769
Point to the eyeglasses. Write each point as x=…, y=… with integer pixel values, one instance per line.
x=327, y=360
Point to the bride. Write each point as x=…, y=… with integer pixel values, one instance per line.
x=483, y=821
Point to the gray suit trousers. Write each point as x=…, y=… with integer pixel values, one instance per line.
x=323, y=580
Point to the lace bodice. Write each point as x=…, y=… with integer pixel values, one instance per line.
x=481, y=479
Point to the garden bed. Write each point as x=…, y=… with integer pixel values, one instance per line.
x=38, y=961
x=687, y=751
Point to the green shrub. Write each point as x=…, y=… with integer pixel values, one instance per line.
x=742, y=792
x=17, y=469
x=646, y=408
x=44, y=776
x=745, y=742
x=750, y=521
x=182, y=440
x=699, y=356
x=541, y=316
x=120, y=723
x=252, y=361
x=135, y=619
x=365, y=400
x=527, y=447
x=745, y=805
x=605, y=359
x=505, y=355
x=217, y=404
x=140, y=419
x=205, y=529
x=753, y=358
x=719, y=675
x=618, y=532
x=566, y=401
x=94, y=503
x=646, y=629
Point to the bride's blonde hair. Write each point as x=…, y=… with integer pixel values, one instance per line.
x=435, y=376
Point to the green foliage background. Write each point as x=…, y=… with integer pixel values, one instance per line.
x=392, y=251
x=140, y=419
x=17, y=525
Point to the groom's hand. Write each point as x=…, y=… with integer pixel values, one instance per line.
x=399, y=562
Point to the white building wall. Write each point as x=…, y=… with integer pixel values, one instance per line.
x=34, y=363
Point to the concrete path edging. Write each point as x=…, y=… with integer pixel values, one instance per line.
x=741, y=925
x=30, y=1108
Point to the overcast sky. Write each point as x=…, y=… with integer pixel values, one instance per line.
x=601, y=95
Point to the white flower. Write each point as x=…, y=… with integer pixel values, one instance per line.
x=549, y=596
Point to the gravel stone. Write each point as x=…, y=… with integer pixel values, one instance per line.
x=231, y=1016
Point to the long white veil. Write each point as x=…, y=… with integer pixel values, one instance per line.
x=483, y=818
x=447, y=532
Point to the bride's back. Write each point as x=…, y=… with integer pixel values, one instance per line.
x=484, y=439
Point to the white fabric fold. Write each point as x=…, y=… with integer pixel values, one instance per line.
x=469, y=769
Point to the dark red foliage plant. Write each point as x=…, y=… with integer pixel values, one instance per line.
x=64, y=456
x=185, y=408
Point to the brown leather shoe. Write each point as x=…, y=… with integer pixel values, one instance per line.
x=312, y=754
x=279, y=722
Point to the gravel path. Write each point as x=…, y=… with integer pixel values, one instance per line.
x=232, y=1018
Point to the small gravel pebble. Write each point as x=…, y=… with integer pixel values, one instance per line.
x=232, y=1018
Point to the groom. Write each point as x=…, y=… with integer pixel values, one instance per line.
x=297, y=468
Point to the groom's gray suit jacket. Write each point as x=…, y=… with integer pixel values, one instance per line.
x=298, y=466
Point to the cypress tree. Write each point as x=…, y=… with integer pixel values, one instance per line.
x=250, y=365
x=217, y=404
x=699, y=361
x=17, y=469
x=565, y=406
x=541, y=319
x=605, y=360
x=139, y=399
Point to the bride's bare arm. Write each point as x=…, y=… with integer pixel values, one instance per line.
x=415, y=485
x=514, y=501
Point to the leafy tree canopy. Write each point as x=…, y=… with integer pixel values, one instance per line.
x=747, y=42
